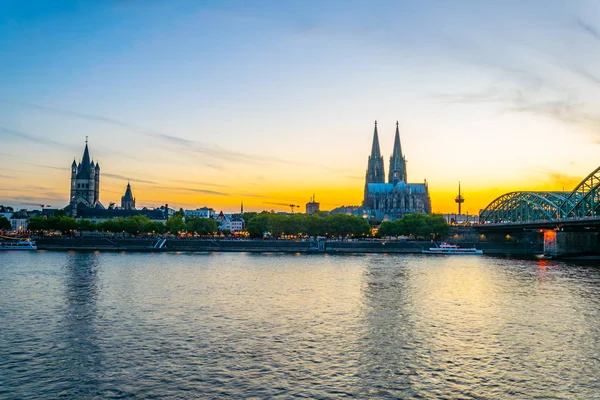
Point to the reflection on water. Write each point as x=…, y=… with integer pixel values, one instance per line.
x=90, y=325
x=79, y=354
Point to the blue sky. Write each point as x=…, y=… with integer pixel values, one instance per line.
x=214, y=102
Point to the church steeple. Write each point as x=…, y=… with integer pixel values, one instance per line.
x=128, y=201
x=85, y=183
x=85, y=164
x=375, y=151
x=375, y=172
x=397, y=171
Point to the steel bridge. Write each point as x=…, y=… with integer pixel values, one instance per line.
x=545, y=209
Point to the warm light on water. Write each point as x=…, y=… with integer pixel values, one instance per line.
x=93, y=325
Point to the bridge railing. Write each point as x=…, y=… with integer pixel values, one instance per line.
x=541, y=221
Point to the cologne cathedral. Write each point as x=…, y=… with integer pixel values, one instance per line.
x=397, y=197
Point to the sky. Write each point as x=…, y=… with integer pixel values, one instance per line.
x=269, y=102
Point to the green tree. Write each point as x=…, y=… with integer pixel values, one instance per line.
x=137, y=224
x=175, y=223
x=5, y=224
x=157, y=227
x=6, y=209
x=247, y=216
x=418, y=225
x=438, y=226
x=258, y=225
x=84, y=225
x=315, y=225
x=344, y=225
x=63, y=224
x=201, y=226
x=37, y=224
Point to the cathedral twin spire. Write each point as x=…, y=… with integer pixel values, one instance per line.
x=375, y=172
x=397, y=171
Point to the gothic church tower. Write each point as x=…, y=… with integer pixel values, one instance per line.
x=397, y=171
x=128, y=201
x=85, y=183
x=375, y=172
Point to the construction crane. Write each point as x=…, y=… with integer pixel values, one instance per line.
x=291, y=206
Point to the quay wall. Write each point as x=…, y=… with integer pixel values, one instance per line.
x=361, y=246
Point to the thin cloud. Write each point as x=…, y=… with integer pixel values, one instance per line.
x=556, y=180
x=590, y=30
x=48, y=167
x=199, y=183
x=183, y=189
x=252, y=195
x=125, y=178
x=8, y=177
x=520, y=91
x=6, y=132
x=182, y=144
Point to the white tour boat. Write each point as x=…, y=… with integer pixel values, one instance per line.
x=18, y=244
x=446, y=248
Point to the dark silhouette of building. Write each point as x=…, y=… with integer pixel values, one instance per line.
x=312, y=206
x=128, y=201
x=85, y=182
x=397, y=197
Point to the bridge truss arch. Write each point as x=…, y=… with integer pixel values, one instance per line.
x=520, y=207
x=584, y=200
x=523, y=207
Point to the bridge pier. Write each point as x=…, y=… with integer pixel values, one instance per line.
x=559, y=243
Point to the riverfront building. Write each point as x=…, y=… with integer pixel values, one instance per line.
x=312, y=206
x=203, y=212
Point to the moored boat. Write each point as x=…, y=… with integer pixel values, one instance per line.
x=452, y=249
x=17, y=244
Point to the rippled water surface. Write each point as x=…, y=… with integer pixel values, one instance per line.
x=102, y=325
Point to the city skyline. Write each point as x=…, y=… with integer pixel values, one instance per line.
x=217, y=103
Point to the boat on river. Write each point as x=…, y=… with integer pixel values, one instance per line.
x=17, y=244
x=451, y=249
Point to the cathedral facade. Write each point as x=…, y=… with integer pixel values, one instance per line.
x=397, y=197
x=85, y=184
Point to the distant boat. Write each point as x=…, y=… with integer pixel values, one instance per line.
x=451, y=249
x=18, y=244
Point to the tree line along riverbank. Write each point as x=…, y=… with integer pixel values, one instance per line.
x=257, y=225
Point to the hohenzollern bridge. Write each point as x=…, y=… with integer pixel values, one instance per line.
x=570, y=221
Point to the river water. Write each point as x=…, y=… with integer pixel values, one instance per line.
x=237, y=325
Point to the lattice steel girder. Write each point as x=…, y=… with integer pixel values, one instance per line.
x=584, y=198
x=525, y=207
x=583, y=201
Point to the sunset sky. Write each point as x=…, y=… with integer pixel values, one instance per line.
x=217, y=102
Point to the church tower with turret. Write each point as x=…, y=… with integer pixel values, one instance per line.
x=85, y=183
